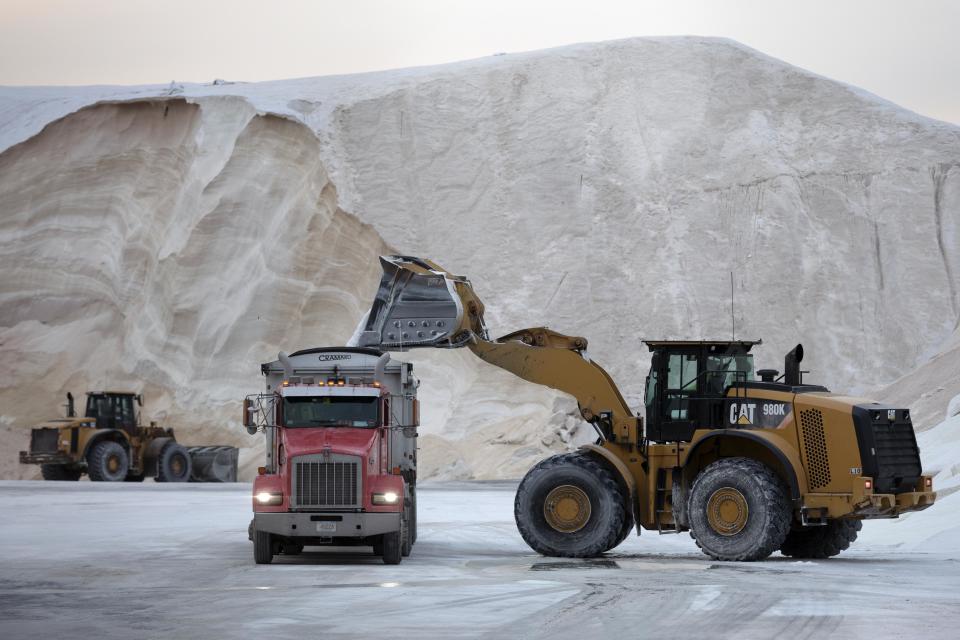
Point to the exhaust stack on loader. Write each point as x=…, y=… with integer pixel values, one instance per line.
x=747, y=466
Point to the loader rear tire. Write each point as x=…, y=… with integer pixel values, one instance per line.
x=173, y=463
x=738, y=510
x=821, y=542
x=263, y=547
x=107, y=462
x=571, y=506
x=59, y=472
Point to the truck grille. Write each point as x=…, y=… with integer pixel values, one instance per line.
x=326, y=481
x=44, y=440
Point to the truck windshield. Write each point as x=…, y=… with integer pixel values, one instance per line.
x=327, y=411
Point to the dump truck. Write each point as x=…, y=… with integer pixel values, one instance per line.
x=110, y=445
x=748, y=466
x=341, y=458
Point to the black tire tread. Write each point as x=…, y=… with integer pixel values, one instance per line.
x=262, y=547
x=821, y=542
x=164, y=452
x=607, y=481
x=775, y=495
x=97, y=458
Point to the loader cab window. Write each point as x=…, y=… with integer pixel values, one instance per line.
x=723, y=371
x=330, y=411
x=112, y=411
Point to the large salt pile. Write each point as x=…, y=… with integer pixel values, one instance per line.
x=169, y=239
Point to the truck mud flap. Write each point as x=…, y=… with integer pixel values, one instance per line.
x=416, y=305
x=214, y=464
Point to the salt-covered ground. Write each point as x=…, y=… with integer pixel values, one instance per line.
x=150, y=561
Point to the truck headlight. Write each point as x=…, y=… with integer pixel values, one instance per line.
x=267, y=497
x=389, y=497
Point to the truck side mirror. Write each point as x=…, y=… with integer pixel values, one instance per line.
x=140, y=399
x=248, y=411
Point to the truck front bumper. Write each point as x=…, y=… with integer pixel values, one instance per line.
x=56, y=457
x=326, y=525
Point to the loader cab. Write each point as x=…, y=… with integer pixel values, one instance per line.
x=113, y=410
x=687, y=383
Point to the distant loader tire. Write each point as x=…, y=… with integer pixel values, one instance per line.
x=292, y=549
x=263, y=547
x=173, y=463
x=571, y=506
x=59, y=472
x=738, y=510
x=392, y=547
x=107, y=462
x=821, y=542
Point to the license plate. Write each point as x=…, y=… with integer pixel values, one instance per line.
x=326, y=527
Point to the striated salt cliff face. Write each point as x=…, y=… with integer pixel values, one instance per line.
x=169, y=239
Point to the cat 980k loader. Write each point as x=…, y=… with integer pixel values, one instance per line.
x=747, y=466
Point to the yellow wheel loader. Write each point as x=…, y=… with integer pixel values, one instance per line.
x=748, y=466
x=109, y=445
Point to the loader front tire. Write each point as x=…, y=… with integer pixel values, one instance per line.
x=738, y=510
x=107, y=462
x=821, y=542
x=173, y=463
x=59, y=472
x=571, y=506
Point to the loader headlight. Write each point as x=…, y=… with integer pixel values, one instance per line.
x=267, y=497
x=385, y=498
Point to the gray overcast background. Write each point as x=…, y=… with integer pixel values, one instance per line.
x=906, y=52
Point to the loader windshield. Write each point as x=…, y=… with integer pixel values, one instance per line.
x=327, y=411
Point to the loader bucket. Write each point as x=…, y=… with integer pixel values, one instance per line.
x=213, y=464
x=418, y=304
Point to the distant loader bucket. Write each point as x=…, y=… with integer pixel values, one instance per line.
x=419, y=304
x=213, y=464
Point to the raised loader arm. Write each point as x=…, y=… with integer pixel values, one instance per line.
x=420, y=304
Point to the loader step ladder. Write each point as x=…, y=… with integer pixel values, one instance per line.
x=661, y=505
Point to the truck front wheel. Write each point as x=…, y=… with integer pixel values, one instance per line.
x=59, y=472
x=821, y=542
x=262, y=547
x=107, y=462
x=571, y=506
x=393, y=547
x=738, y=510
